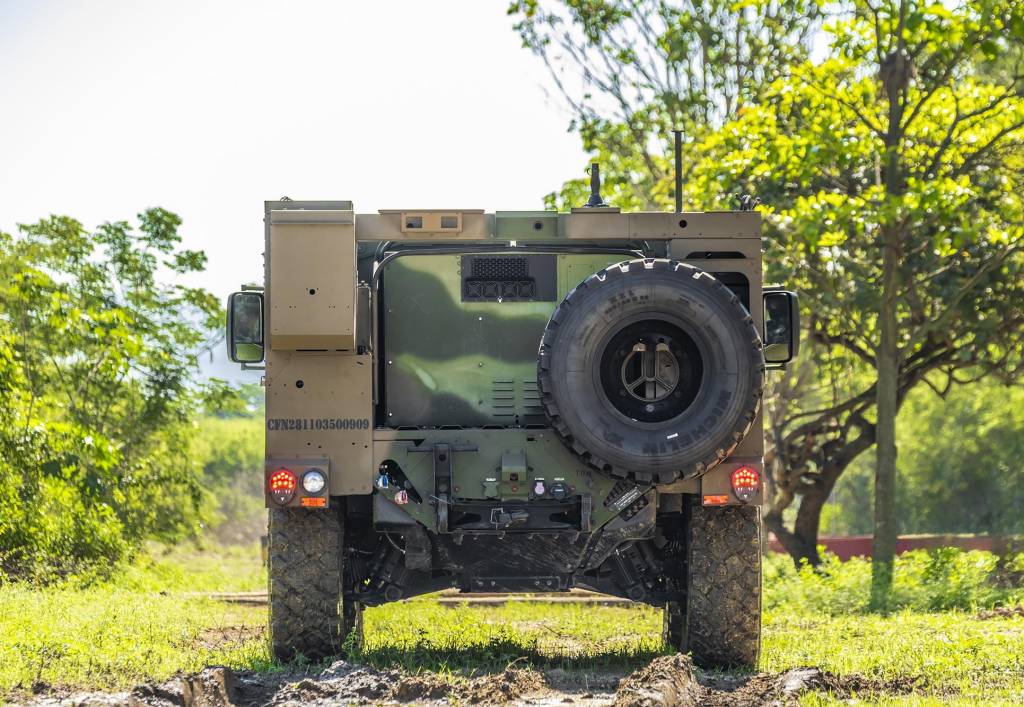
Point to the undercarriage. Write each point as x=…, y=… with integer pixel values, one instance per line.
x=639, y=554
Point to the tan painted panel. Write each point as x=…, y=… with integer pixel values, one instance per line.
x=599, y=224
x=312, y=280
x=322, y=404
x=392, y=225
x=700, y=224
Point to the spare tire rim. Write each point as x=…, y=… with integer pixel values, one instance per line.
x=650, y=373
x=651, y=370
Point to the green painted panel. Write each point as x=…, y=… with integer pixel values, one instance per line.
x=546, y=458
x=526, y=225
x=468, y=364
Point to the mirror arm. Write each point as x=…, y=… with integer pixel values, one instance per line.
x=794, y=317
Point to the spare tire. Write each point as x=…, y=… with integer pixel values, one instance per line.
x=651, y=370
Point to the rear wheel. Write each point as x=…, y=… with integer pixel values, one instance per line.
x=308, y=615
x=720, y=623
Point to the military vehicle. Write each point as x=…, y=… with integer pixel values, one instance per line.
x=519, y=401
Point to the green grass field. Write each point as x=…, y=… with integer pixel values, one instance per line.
x=150, y=624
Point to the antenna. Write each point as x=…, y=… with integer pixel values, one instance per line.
x=595, y=200
x=679, y=170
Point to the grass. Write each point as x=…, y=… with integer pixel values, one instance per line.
x=150, y=624
x=424, y=635
x=147, y=625
x=948, y=655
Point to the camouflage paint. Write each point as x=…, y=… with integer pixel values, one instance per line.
x=470, y=364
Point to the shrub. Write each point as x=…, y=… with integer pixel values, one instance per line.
x=925, y=580
x=97, y=391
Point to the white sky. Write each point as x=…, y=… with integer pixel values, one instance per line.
x=208, y=108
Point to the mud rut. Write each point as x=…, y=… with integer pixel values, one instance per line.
x=667, y=680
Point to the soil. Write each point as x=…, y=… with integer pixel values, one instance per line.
x=667, y=680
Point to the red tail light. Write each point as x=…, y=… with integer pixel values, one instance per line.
x=745, y=482
x=282, y=485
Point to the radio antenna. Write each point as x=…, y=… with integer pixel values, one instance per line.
x=679, y=170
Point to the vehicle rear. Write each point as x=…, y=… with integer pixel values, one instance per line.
x=517, y=401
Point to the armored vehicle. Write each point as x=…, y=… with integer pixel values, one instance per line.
x=518, y=401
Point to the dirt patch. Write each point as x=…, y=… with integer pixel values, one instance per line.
x=724, y=690
x=420, y=687
x=488, y=689
x=1001, y=612
x=797, y=681
x=667, y=680
x=503, y=687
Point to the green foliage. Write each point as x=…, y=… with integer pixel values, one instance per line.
x=223, y=399
x=191, y=568
x=229, y=450
x=959, y=466
x=633, y=70
x=97, y=359
x=907, y=139
x=936, y=580
x=893, y=170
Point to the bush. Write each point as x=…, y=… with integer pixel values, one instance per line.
x=98, y=365
x=229, y=450
x=925, y=580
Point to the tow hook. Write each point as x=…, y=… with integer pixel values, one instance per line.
x=502, y=519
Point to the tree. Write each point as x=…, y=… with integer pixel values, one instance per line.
x=631, y=71
x=893, y=174
x=895, y=171
x=97, y=365
x=959, y=455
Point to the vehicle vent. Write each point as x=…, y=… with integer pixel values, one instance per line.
x=513, y=268
x=509, y=278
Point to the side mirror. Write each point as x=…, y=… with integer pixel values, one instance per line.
x=245, y=327
x=781, y=335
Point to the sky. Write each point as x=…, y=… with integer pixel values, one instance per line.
x=210, y=108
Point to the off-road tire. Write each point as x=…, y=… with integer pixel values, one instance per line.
x=721, y=625
x=308, y=615
x=573, y=372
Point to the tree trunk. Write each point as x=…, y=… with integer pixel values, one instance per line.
x=802, y=542
x=894, y=74
x=883, y=547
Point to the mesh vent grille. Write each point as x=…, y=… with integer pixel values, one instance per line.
x=509, y=278
x=495, y=268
